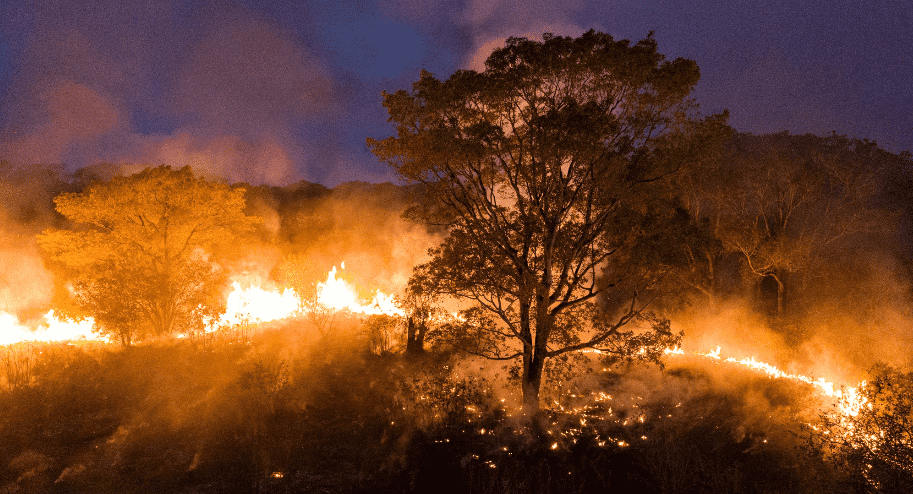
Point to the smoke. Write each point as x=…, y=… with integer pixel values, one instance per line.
x=361, y=225
x=233, y=158
x=214, y=86
x=24, y=282
x=732, y=325
x=862, y=318
x=66, y=114
x=491, y=22
x=26, y=286
x=382, y=246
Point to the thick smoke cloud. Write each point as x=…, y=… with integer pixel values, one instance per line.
x=65, y=115
x=294, y=89
x=26, y=286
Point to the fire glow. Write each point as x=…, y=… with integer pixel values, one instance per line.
x=251, y=304
x=339, y=295
x=849, y=400
x=52, y=329
x=254, y=304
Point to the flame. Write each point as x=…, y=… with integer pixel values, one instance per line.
x=53, y=328
x=339, y=295
x=254, y=304
x=336, y=293
x=850, y=400
x=250, y=304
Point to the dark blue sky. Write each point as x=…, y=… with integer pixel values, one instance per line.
x=286, y=90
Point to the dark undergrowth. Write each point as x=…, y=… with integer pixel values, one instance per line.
x=276, y=414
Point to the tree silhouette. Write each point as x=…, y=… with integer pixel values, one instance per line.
x=544, y=169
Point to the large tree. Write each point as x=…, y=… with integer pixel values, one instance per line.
x=545, y=169
x=141, y=249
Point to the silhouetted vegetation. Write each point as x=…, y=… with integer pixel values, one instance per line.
x=279, y=413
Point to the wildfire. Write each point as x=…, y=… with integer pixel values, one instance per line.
x=850, y=401
x=53, y=328
x=339, y=295
x=250, y=303
x=254, y=304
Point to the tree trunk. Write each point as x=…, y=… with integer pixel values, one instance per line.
x=781, y=294
x=533, y=361
x=415, y=336
x=533, y=364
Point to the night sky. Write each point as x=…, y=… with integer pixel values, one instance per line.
x=275, y=92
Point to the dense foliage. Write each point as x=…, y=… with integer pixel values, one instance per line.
x=876, y=442
x=140, y=249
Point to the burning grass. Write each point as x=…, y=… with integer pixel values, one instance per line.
x=285, y=392
x=279, y=410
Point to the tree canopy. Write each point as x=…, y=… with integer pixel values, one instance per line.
x=141, y=249
x=546, y=169
x=788, y=208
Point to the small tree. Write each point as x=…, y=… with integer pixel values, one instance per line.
x=419, y=303
x=379, y=330
x=545, y=169
x=141, y=249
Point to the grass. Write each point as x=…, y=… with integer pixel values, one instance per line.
x=276, y=412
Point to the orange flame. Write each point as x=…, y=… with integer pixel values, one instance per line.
x=255, y=305
x=850, y=401
x=337, y=294
x=52, y=329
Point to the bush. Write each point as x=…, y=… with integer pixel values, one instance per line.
x=869, y=434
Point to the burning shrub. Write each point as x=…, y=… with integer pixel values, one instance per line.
x=871, y=434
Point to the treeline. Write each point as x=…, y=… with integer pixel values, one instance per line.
x=805, y=228
x=794, y=222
